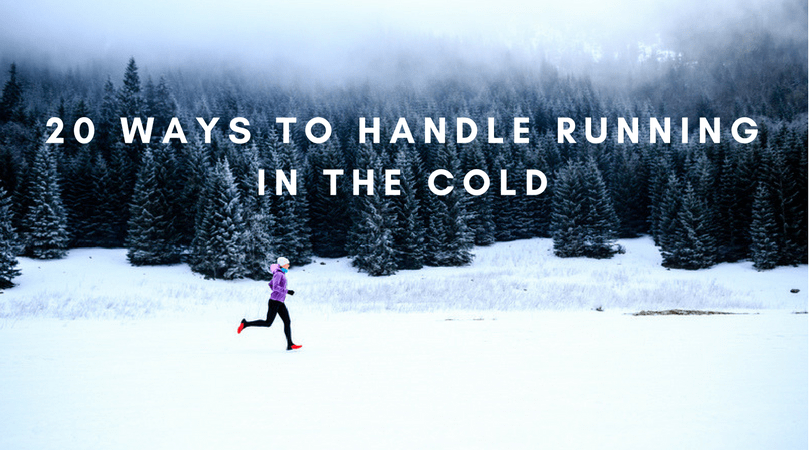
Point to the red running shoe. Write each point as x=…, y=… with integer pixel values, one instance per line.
x=241, y=327
x=294, y=347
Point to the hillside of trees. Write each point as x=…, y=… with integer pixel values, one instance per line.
x=198, y=203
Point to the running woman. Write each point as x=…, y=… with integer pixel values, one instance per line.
x=276, y=303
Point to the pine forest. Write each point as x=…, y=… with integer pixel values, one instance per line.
x=198, y=203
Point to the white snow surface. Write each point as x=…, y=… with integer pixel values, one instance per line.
x=505, y=353
x=513, y=276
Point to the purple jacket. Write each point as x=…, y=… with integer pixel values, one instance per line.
x=278, y=284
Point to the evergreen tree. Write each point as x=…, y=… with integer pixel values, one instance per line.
x=522, y=222
x=260, y=250
x=481, y=220
x=629, y=190
x=567, y=209
x=504, y=205
x=449, y=239
x=158, y=103
x=149, y=101
x=45, y=221
x=151, y=239
x=601, y=214
x=363, y=157
x=660, y=178
x=731, y=242
x=408, y=233
x=329, y=215
x=799, y=223
x=372, y=229
x=11, y=106
x=667, y=209
x=583, y=222
x=693, y=246
x=795, y=197
x=764, y=250
x=539, y=206
x=782, y=187
x=103, y=219
x=8, y=244
x=131, y=105
x=9, y=168
x=193, y=170
x=71, y=146
x=109, y=122
x=130, y=100
x=435, y=216
x=701, y=174
x=121, y=181
x=291, y=233
x=78, y=196
x=218, y=247
x=21, y=203
x=370, y=242
x=171, y=176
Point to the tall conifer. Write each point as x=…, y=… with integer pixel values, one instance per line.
x=8, y=244
x=46, y=220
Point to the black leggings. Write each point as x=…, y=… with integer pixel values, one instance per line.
x=274, y=307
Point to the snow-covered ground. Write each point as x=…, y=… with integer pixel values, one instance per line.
x=513, y=276
x=506, y=353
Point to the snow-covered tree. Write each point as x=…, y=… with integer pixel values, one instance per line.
x=539, y=206
x=583, y=222
x=376, y=254
x=131, y=105
x=481, y=219
x=371, y=242
x=329, y=215
x=408, y=233
x=789, y=200
x=76, y=186
x=291, y=232
x=449, y=240
x=260, y=248
x=658, y=184
x=151, y=238
x=45, y=220
x=130, y=100
x=667, y=208
x=8, y=243
x=764, y=249
x=108, y=122
x=694, y=246
x=158, y=103
x=104, y=217
x=505, y=207
x=732, y=205
x=11, y=102
x=218, y=247
x=122, y=179
x=627, y=181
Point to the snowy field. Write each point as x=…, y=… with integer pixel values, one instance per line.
x=513, y=276
x=506, y=353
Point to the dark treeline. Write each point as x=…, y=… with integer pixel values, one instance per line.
x=199, y=203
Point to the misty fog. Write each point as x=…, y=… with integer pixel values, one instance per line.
x=331, y=42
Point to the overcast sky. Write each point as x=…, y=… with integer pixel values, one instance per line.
x=328, y=32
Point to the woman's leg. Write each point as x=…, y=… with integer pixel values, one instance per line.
x=285, y=317
x=272, y=309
